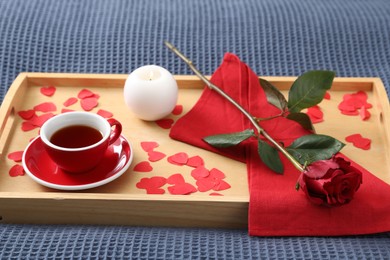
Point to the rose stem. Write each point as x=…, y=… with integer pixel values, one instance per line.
x=239, y=107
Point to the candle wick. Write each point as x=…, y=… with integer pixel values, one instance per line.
x=151, y=74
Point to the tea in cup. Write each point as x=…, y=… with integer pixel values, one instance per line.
x=77, y=141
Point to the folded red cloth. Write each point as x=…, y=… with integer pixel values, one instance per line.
x=275, y=207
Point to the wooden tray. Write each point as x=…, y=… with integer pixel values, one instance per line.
x=120, y=202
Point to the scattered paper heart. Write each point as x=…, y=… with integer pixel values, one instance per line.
x=105, y=113
x=165, y=123
x=70, y=101
x=359, y=141
x=45, y=107
x=152, y=185
x=48, y=90
x=143, y=166
x=195, y=161
x=27, y=114
x=315, y=114
x=16, y=170
x=178, y=158
x=182, y=189
x=89, y=103
x=155, y=156
x=200, y=172
x=177, y=110
x=15, y=156
x=149, y=146
x=85, y=93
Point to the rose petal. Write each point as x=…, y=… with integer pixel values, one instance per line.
x=178, y=158
x=195, y=161
x=70, y=101
x=48, y=91
x=16, y=170
x=89, y=103
x=27, y=114
x=155, y=156
x=143, y=167
x=16, y=156
x=165, y=123
x=104, y=113
x=177, y=110
x=46, y=107
x=149, y=146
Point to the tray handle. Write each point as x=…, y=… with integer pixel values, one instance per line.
x=5, y=129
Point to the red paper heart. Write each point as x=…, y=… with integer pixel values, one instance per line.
x=327, y=95
x=165, y=123
x=217, y=174
x=27, y=114
x=15, y=156
x=48, y=91
x=200, y=172
x=152, y=185
x=46, y=107
x=28, y=126
x=359, y=141
x=178, y=158
x=149, y=146
x=85, y=93
x=195, y=161
x=89, y=103
x=64, y=110
x=155, y=156
x=182, y=189
x=104, y=113
x=70, y=101
x=315, y=114
x=215, y=194
x=176, y=178
x=177, y=110
x=364, y=113
x=16, y=170
x=221, y=185
x=143, y=167
x=40, y=120
x=205, y=184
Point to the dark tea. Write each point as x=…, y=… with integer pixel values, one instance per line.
x=76, y=136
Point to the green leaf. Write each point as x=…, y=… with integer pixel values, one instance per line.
x=274, y=96
x=227, y=140
x=303, y=119
x=309, y=89
x=310, y=148
x=270, y=156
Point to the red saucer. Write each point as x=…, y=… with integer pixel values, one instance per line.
x=39, y=166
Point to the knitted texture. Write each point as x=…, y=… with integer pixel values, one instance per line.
x=274, y=37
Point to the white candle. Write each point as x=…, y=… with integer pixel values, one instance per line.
x=151, y=92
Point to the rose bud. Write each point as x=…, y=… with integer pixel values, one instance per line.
x=330, y=182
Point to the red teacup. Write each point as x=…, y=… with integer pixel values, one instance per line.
x=74, y=150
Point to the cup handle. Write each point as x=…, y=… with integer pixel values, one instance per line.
x=117, y=130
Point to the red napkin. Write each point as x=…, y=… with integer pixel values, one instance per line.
x=275, y=207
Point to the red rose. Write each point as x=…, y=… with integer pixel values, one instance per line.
x=330, y=182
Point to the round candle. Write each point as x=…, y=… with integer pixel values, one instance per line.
x=151, y=92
